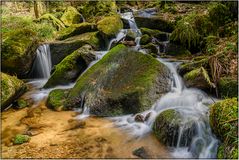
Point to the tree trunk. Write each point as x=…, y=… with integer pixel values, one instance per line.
x=36, y=9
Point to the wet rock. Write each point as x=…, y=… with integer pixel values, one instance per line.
x=71, y=16
x=56, y=99
x=147, y=116
x=154, y=22
x=152, y=48
x=71, y=67
x=128, y=43
x=24, y=102
x=75, y=123
x=18, y=52
x=11, y=89
x=110, y=26
x=142, y=152
x=167, y=125
x=131, y=35
x=145, y=39
x=76, y=29
x=159, y=35
x=123, y=82
x=60, y=49
x=139, y=118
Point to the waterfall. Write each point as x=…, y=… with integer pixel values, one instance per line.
x=42, y=65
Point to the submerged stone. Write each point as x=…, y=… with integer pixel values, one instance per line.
x=11, y=89
x=123, y=81
x=71, y=67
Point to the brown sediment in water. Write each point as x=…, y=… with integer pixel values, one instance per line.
x=57, y=135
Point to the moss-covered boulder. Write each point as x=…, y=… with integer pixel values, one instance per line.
x=228, y=87
x=56, y=99
x=172, y=49
x=49, y=18
x=161, y=36
x=152, y=48
x=154, y=22
x=145, y=39
x=71, y=16
x=18, y=52
x=123, y=81
x=60, y=49
x=167, y=126
x=198, y=78
x=131, y=35
x=20, y=139
x=11, y=89
x=110, y=26
x=224, y=123
x=71, y=67
x=76, y=29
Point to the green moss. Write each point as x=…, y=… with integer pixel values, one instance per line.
x=71, y=16
x=152, y=47
x=228, y=87
x=123, y=81
x=52, y=19
x=22, y=103
x=56, y=99
x=145, y=39
x=20, y=139
x=76, y=29
x=11, y=89
x=70, y=67
x=224, y=123
x=219, y=14
x=110, y=26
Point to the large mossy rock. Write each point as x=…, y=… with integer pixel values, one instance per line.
x=154, y=22
x=18, y=52
x=110, y=26
x=71, y=16
x=224, y=123
x=161, y=36
x=49, y=18
x=11, y=89
x=76, y=29
x=60, y=49
x=167, y=126
x=71, y=67
x=172, y=49
x=228, y=87
x=56, y=99
x=122, y=82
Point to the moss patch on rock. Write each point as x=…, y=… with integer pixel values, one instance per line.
x=110, y=25
x=76, y=29
x=145, y=39
x=228, y=87
x=224, y=123
x=71, y=67
x=18, y=51
x=60, y=49
x=11, y=89
x=53, y=20
x=56, y=99
x=122, y=82
x=20, y=139
x=161, y=36
x=71, y=16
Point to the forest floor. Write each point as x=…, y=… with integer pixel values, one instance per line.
x=59, y=135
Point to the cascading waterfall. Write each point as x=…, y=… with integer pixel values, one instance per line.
x=42, y=65
x=191, y=103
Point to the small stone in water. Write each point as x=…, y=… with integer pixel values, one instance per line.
x=147, y=116
x=142, y=153
x=139, y=118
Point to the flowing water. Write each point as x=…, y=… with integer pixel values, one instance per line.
x=191, y=103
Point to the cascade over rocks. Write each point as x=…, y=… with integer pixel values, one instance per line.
x=11, y=89
x=18, y=52
x=167, y=126
x=122, y=82
x=60, y=49
x=71, y=67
